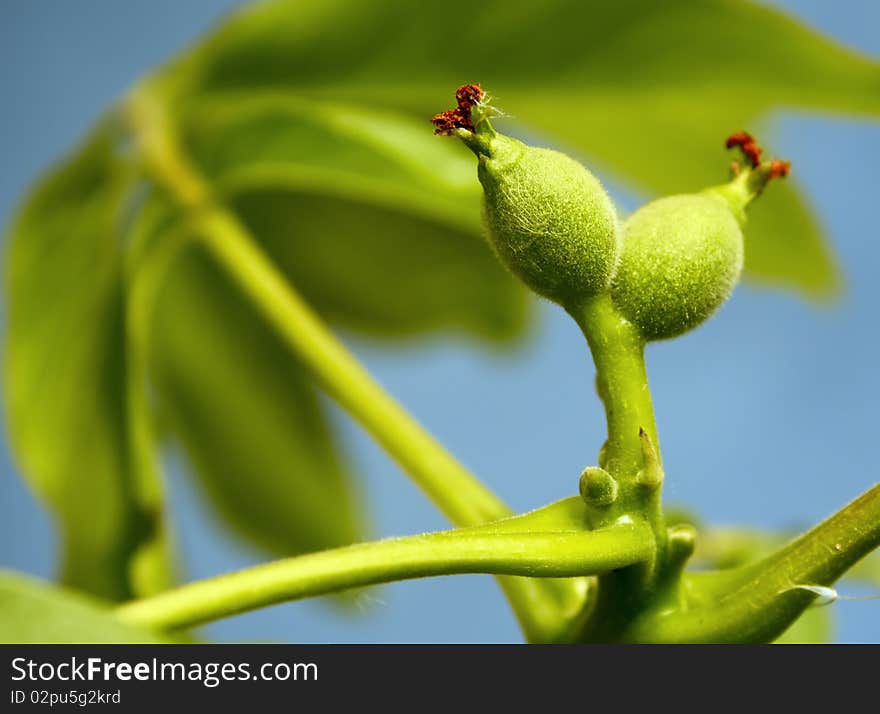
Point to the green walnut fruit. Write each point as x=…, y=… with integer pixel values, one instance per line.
x=549, y=219
x=681, y=256
x=680, y=260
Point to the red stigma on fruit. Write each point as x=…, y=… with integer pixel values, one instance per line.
x=764, y=171
x=779, y=168
x=467, y=96
x=747, y=144
x=447, y=122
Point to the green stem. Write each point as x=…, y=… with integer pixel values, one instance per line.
x=618, y=352
x=477, y=550
x=631, y=455
x=456, y=492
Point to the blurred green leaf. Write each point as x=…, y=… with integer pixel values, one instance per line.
x=247, y=415
x=730, y=547
x=866, y=570
x=647, y=90
x=723, y=548
x=350, y=203
x=34, y=612
x=814, y=627
x=65, y=370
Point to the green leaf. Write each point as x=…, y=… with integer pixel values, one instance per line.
x=349, y=202
x=730, y=547
x=787, y=246
x=867, y=570
x=814, y=627
x=247, y=415
x=647, y=91
x=34, y=612
x=65, y=372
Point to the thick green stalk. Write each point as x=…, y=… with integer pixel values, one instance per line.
x=618, y=352
x=631, y=455
x=456, y=492
x=478, y=550
x=632, y=452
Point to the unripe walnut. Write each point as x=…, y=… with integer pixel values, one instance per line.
x=681, y=256
x=680, y=260
x=549, y=219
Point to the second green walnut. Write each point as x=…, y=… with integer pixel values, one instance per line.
x=681, y=258
x=682, y=255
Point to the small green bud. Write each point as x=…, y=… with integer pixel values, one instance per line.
x=598, y=487
x=549, y=219
x=603, y=455
x=681, y=541
x=651, y=475
x=682, y=255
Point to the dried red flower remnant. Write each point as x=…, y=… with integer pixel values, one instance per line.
x=747, y=144
x=446, y=122
x=466, y=97
x=779, y=168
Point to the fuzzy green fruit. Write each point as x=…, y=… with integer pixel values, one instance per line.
x=549, y=219
x=680, y=260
